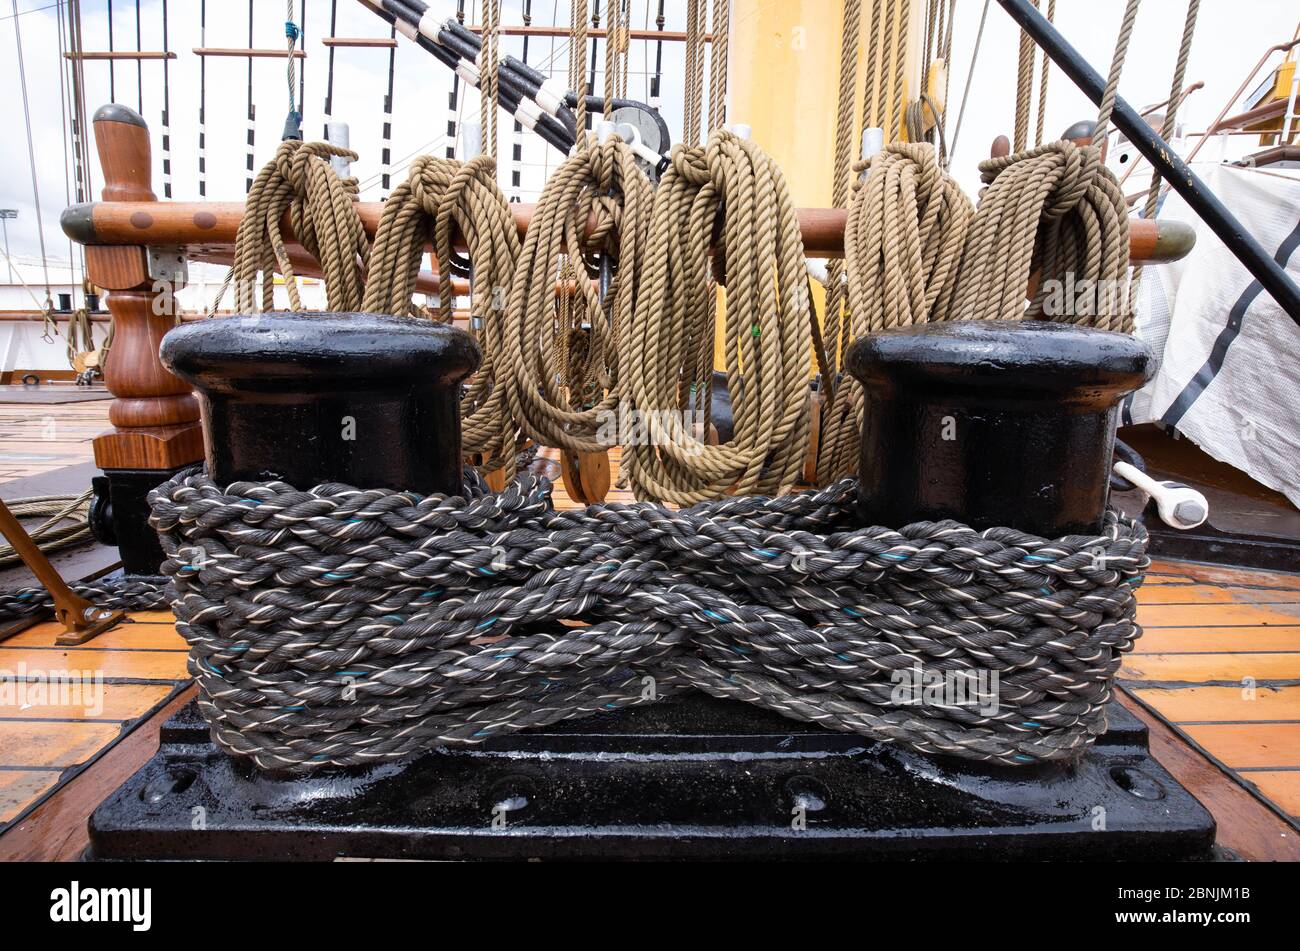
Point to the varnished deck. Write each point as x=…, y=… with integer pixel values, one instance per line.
x=1216, y=675
x=1219, y=660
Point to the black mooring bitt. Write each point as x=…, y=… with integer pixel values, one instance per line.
x=992, y=423
x=368, y=400
x=1270, y=274
x=689, y=777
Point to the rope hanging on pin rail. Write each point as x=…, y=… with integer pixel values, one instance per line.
x=443, y=199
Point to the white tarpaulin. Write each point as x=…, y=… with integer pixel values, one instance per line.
x=1228, y=356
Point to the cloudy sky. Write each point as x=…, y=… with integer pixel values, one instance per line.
x=1231, y=36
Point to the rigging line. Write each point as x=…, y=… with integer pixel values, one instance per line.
x=48, y=6
x=517, y=144
x=166, y=113
x=595, y=25
x=656, y=81
x=302, y=31
x=203, y=101
x=31, y=151
x=112, y=66
x=252, y=112
x=293, y=119
x=329, y=78
x=970, y=74
x=386, y=152
x=74, y=250
x=139, y=63
x=453, y=97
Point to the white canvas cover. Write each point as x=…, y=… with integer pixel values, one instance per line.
x=1228, y=356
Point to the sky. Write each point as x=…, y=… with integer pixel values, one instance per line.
x=1231, y=36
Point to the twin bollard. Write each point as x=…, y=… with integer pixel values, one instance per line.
x=992, y=424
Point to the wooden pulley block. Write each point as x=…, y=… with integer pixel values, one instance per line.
x=586, y=475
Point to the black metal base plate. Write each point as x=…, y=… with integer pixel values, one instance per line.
x=692, y=777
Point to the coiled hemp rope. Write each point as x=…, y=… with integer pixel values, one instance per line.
x=442, y=200
x=669, y=346
x=598, y=184
x=344, y=626
x=1049, y=218
x=324, y=218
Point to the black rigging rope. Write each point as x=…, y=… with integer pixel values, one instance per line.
x=166, y=112
x=329, y=77
x=203, y=101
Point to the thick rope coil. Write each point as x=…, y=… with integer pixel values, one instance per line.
x=324, y=219
x=599, y=184
x=440, y=201
x=67, y=522
x=669, y=346
x=904, y=235
x=344, y=626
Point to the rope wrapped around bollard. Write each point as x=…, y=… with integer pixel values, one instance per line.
x=340, y=626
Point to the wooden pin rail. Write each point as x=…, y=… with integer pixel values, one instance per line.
x=188, y=224
x=121, y=54
x=239, y=52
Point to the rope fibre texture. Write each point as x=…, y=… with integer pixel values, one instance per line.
x=443, y=200
x=344, y=626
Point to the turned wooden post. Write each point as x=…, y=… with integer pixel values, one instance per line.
x=155, y=417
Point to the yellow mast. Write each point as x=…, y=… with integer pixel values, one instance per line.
x=783, y=82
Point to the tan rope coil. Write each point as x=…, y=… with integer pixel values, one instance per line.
x=917, y=252
x=324, y=219
x=1056, y=211
x=603, y=185
x=668, y=348
x=441, y=200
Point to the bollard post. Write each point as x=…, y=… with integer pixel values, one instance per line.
x=369, y=400
x=992, y=422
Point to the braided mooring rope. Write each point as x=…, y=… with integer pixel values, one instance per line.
x=129, y=593
x=345, y=626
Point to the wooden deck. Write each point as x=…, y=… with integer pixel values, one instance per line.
x=1216, y=676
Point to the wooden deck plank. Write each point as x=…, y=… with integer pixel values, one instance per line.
x=1217, y=615
x=1223, y=704
x=1217, y=640
x=56, y=744
x=1281, y=786
x=132, y=636
x=1223, y=574
x=154, y=665
x=1252, y=745
x=1211, y=668
x=1198, y=593
x=55, y=831
x=1245, y=825
x=110, y=702
x=19, y=787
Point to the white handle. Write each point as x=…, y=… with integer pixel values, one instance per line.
x=1180, y=506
